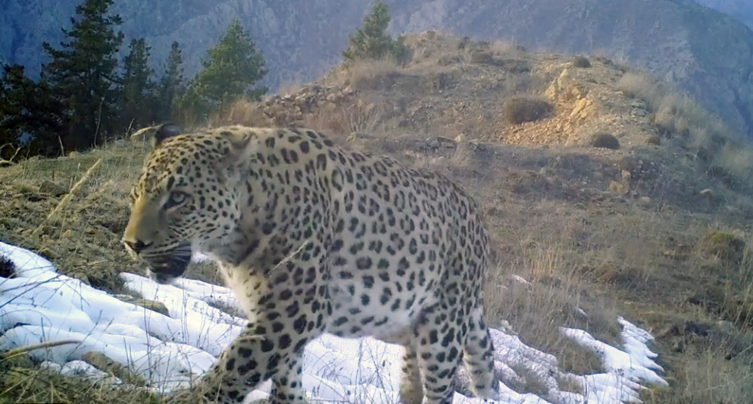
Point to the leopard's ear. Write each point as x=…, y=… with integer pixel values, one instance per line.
x=243, y=147
x=157, y=134
x=165, y=131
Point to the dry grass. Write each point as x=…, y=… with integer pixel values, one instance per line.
x=353, y=119
x=679, y=117
x=705, y=376
x=364, y=74
x=241, y=112
x=21, y=382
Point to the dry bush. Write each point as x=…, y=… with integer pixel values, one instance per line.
x=358, y=117
x=522, y=109
x=654, y=140
x=363, y=74
x=604, y=140
x=724, y=245
x=483, y=58
x=676, y=115
x=581, y=62
x=737, y=159
x=241, y=112
x=502, y=47
x=290, y=85
x=638, y=86
x=703, y=376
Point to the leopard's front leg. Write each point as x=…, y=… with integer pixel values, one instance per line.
x=287, y=317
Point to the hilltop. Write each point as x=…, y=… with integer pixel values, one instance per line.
x=701, y=50
x=607, y=191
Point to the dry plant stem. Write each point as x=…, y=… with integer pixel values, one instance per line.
x=44, y=345
x=10, y=160
x=289, y=257
x=140, y=134
x=64, y=202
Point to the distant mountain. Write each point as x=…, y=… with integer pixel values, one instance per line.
x=741, y=9
x=704, y=51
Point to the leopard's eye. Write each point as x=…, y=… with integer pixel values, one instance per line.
x=176, y=199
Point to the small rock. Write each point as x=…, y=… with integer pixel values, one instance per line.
x=52, y=188
x=707, y=193
x=433, y=143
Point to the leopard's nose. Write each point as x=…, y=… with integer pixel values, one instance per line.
x=136, y=245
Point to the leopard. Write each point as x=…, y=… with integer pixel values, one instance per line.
x=317, y=239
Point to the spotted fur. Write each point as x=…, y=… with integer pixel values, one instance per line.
x=317, y=240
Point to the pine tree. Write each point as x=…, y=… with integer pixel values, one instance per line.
x=30, y=115
x=233, y=67
x=81, y=74
x=138, y=88
x=172, y=84
x=372, y=42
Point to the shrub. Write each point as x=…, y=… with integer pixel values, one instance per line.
x=604, y=140
x=482, y=58
x=581, y=62
x=723, y=245
x=654, y=140
x=527, y=109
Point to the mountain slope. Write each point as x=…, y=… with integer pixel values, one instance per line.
x=703, y=51
x=741, y=9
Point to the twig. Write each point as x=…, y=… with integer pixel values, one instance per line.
x=130, y=125
x=290, y=257
x=99, y=120
x=62, y=149
x=43, y=345
x=10, y=160
x=69, y=196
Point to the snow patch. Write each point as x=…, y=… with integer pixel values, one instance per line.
x=169, y=351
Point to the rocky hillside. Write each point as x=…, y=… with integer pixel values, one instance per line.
x=703, y=51
x=605, y=194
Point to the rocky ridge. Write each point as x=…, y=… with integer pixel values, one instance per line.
x=701, y=50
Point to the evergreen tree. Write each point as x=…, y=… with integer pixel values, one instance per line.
x=138, y=88
x=233, y=67
x=372, y=42
x=172, y=84
x=29, y=114
x=81, y=74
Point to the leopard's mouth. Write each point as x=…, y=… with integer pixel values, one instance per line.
x=167, y=267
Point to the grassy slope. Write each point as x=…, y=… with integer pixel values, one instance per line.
x=638, y=249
